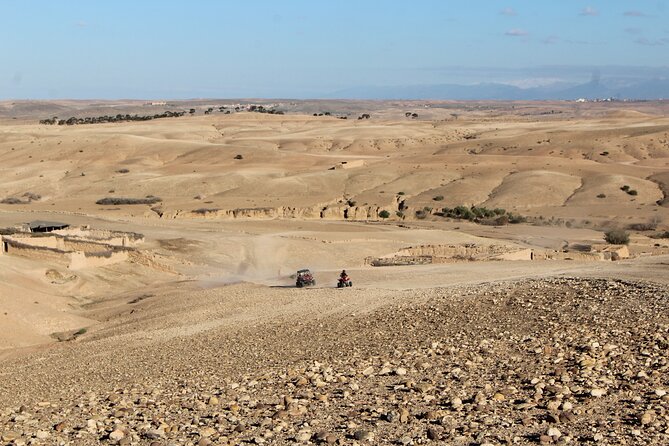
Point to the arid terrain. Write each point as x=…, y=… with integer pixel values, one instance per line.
x=167, y=313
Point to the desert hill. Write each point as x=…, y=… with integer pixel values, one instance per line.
x=163, y=308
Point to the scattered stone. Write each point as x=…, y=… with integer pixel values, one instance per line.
x=363, y=435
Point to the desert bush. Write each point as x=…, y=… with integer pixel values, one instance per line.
x=421, y=214
x=384, y=214
x=400, y=193
x=516, y=218
x=239, y=157
x=400, y=214
x=650, y=226
x=604, y=153
x=502, y=220
x=664, y=234
x=205, y=211
x=601, y=196
x=12, y=200
x=438, y=198
x=128, y=201
x=617, y=237
x=625, y=188
x=123, y=171
x=632, y=192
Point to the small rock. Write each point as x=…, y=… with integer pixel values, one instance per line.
x=303, y=436
x=647, y=417
x=554, y=433
x=207, y=432
x=154, y=434
x=432, y=434
x=116, y=435
x=545, y=439
x=400, y=371
x=597, y=392
x=363, y=435
x=368, y=371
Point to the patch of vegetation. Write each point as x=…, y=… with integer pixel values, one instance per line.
x=12, y=200
x=123, y=171
x=400, y=193
x=29, y=197
x=239, y=157
x=205, y=211
x=604, y=153
x=632, y=192
x=664, y=234
x=438, y=198
x=651, y=226
x=116, y=201
x=601, y=196
x=384, y=214
x=421, y=214
x=80, y=332
x=482, y=215
x=625, y=188
x=617, y=237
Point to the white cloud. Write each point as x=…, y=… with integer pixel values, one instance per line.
x=516, y=32
x=508, y=12
x=589, y=11
x=650, y=42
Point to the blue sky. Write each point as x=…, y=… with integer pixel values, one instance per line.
x=309, y=48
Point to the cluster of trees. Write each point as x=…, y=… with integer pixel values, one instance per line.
x=330, y=114
x=261, y=109
x=107, y=118
x=483, y=215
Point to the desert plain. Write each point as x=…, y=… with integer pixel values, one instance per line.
x=519, y=327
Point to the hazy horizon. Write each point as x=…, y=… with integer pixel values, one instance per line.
x=306, y=50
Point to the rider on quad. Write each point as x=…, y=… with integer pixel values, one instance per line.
x=344, y=280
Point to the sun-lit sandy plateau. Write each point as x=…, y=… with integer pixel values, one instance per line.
x=176, y=320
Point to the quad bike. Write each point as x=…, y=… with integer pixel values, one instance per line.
x=304, y=278
x=344, y=282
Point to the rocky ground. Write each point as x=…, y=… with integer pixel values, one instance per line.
x=550, y=361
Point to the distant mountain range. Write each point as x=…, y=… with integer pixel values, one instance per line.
x=643, y=89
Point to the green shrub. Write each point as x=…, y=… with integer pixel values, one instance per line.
x=632, y=192
x=617, y=237
x=384, y=214
x=400, y=193
x=150, y=199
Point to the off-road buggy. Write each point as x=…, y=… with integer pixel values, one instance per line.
x=304, y=278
